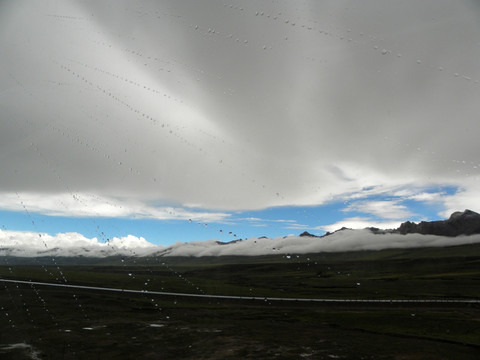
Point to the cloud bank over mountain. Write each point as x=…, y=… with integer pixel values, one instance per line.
x=346, y=240
x=30, y=244
x=461, y=228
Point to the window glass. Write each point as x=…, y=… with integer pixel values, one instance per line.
x=203, y=179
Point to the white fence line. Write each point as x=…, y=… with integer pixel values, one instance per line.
x=147, y=292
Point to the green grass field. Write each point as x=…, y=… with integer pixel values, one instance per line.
x=62, y=323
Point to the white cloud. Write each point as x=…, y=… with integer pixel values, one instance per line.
x=19, y=243
x=427, y=197
x=403, y=193
x=297, y=226
x=130, y=242
x=467, y=197
x=385, y=209
x=359, y=223
x=90, y=205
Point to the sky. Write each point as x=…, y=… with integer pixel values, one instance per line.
x=196, y=120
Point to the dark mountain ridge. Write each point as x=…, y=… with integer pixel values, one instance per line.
x=459, y=223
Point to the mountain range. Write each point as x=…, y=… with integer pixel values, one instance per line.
x=460, y=228
x=459, y=223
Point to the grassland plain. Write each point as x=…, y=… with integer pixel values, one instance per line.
x=62, y=323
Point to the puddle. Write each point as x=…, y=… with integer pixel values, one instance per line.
x=20, y=349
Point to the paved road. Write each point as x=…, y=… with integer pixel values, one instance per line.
x=147, y=292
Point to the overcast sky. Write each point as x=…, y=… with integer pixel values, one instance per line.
x=219, y=111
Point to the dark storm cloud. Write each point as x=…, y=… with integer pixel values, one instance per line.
x=238, y=105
